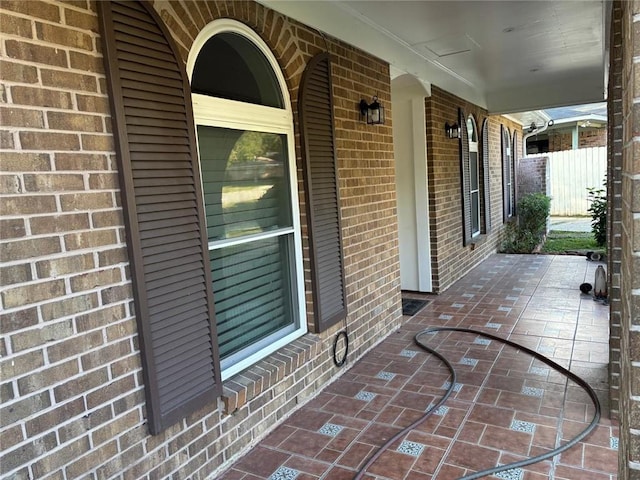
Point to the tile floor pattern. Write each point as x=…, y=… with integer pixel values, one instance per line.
x=506, y=406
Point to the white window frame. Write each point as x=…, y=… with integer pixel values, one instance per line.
x=223, y=113
x=472, y=130
x=510, y=193
x=512, y=152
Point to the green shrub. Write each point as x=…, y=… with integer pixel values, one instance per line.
x=598, y=211
x=524, y=235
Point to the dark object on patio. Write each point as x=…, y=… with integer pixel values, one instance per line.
x=411, y=306
x=585, y=288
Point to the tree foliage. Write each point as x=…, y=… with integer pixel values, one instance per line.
x=598, y=210
x=255, y=144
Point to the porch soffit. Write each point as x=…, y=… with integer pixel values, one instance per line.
x=505, y=56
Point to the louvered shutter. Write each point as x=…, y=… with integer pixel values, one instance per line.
x=514, y=171
x=466, y=179
x=485, y=176
x=162, y=203
x=323, y=200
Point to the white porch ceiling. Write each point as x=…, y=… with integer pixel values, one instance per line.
x=506, y=56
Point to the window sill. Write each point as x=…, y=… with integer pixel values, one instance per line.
x=248, y=384
x=477, y=240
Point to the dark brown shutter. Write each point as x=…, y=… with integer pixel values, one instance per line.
x=514, y=171
x=485, y=176
x=506, y=175
x=466, y=179
x=162, y=203
x=323, y=199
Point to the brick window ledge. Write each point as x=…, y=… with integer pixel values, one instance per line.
x=477, y=240
x=248, y=384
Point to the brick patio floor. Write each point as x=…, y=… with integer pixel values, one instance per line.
x=506, y=406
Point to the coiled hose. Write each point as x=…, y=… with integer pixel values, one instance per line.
x=500, y=468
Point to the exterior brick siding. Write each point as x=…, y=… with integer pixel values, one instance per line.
x=73, y=402
x=592, y=138
x=72, y=393
x=624, y=238
x=563, y=140
x=449, y=258
x=614, y=206
x=533, y=175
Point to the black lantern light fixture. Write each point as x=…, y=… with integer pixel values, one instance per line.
x=373, y=112
x=452, y=131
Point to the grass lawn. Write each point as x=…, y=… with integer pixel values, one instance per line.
x=563, y=242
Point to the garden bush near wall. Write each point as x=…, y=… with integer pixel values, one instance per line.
x=524, y=235
x=598, y=210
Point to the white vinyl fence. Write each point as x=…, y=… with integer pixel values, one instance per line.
x=571, y=173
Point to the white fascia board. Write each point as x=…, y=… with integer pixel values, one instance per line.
x=341, y=22
x=540, y=117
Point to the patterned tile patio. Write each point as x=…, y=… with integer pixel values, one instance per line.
x=505, y=405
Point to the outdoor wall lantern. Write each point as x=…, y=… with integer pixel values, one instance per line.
x=374, y=112
x=452, y=131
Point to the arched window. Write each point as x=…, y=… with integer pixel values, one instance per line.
x=486, y=181
x=514, y=171
x=474, y=176
x=508, y=176
x=245, y=137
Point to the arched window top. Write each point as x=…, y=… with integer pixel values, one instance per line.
x=506, y=134
x=229, y=61
x=244, y=122
x=472, y=129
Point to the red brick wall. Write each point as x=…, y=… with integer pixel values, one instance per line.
x=73, y=398
x=559, y=141
x=563, y=140
x=70, y=364
x=450, y=259
x=624, y=238
x=532, y=175
x=614, y=208
x=592, y=138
